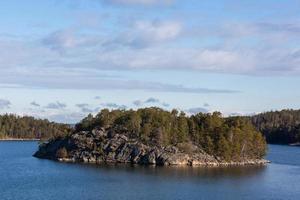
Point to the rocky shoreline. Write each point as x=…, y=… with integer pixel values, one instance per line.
x=101, y=146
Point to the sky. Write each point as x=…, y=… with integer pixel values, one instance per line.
x=63, y=59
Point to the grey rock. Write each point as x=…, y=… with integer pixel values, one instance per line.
x=111, y=146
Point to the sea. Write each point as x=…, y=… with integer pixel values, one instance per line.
x=24, y=177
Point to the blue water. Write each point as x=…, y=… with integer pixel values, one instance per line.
x=25, y=177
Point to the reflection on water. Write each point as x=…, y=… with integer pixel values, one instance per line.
x=183, y=172
x=25, y=177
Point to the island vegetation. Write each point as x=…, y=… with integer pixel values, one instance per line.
x=230, y=138
x=16, y=127
x=110, y=135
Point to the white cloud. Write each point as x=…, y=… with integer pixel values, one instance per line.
x=26, y=63
x=147, y=33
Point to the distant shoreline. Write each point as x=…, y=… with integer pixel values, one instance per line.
x=19, y=139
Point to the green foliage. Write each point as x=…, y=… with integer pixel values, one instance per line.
x=279, y=127
x=223, y=148
x=232, y=138
x=12, y=126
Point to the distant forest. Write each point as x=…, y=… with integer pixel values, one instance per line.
x=279, y=127
x=12, y=126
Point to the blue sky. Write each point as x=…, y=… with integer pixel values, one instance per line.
x=61, y=59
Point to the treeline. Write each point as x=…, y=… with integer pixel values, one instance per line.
x=162, y=127
x=279, y=127
x=229, y=138
x=12, y=126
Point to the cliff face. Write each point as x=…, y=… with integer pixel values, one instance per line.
x=105, y=146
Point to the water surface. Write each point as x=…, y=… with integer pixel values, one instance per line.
x=25, y=177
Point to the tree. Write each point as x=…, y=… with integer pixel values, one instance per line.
x=233, y=138
x=12, y=126
x=279, y=127
x=223, y=148
x=134, y=123
x=157, y=136
x=182, y=127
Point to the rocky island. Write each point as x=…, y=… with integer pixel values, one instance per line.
x=152, y=136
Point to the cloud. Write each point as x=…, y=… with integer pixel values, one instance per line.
x=148, y=33
x=164, y=104
x=68, y=39
x=97, y=97
x=206, y=105
x=244, y=48
x=85, y=108
x=60, y=40
x=138, y=103
x=114, y=106
x=150, y=100
x=35, y=104
x=160, y=87
x=278, y=27
x=4, y=104
x=57, y=105
x=196, y=110
x=65, y=80
x=258, y=30
x=140, y=2
x=82, y=105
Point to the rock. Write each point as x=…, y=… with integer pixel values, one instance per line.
x=171, y=149
x=99, y=132
x=150, y=158
x=111, y=146
x=178, y=159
